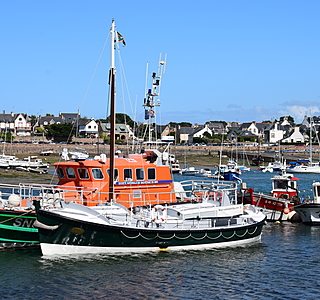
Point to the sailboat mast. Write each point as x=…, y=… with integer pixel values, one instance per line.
x=311, y=125
x=112, y=113
x=150, y=101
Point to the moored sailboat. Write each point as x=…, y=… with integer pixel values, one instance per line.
x=306, y=166
x=134, y=221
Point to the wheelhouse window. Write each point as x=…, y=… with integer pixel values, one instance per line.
x=151, y=174
x=127, y=174
x=280, y=184
x=70, y=173
x=60, y=173
x=83, y=173
x=97, y=173
x=139, y=174
x=116, y=174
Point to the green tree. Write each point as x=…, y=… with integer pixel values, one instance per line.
x=290, y=119
x=121, y=119
x=185, y=124
x=181, y=124
x=7, y=136
x=40, y=130
x=207, y=135
x=60, y=132
x=199, y=140
x=219, y=137
x=223, y=122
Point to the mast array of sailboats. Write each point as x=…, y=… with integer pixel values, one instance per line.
x=279, y=164
x=310, y=166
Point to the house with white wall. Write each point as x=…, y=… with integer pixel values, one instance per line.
x=274, y=133
x=22, y=125
x=88, y=128
x=254, y=127
x=186, y=134
x=17, y=124
x=294, y=137
x=199, y=131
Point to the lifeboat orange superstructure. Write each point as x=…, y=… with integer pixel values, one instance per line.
x=140, y=179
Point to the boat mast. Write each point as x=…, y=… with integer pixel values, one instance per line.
x=150, y=101
x=311, y=125
x=112, y=112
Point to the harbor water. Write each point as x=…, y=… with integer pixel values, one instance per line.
x=283, y=266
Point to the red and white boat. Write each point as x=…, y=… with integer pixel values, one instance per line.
x=279, y=205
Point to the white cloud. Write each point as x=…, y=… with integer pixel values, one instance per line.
x=298, y=111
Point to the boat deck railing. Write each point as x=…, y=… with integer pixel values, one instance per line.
x=22, y=195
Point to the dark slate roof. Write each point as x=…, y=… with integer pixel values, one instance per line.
x=49, y=120
x=83, y=122
x=186, y=130
x=247, y=133
x=272, y=126
x=232, y=134
x=260, y=126
x=197, y=129
x=236, y=128
x=69, y=117
x=215, y=125
x=6, y=118
x=244, y=125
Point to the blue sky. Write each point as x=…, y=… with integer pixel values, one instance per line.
x=226, y=60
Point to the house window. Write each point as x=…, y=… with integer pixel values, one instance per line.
x=116, y=174
x=151, y=174
x=60, y=173
x=97, y=173
x=70, y=173
x=127, y=174
x=139, y=174
x=83, y=173
x=89, y=126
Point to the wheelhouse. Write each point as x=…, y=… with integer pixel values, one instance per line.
x=138, y=180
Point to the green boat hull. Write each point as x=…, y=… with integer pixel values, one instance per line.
x=16, y=229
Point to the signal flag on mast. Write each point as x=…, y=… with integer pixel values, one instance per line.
x=121, y=39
